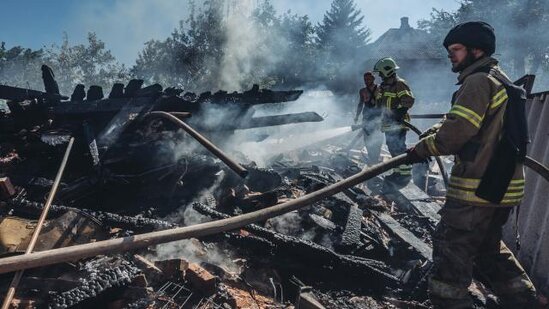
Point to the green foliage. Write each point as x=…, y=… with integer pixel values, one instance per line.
x=341, y=32
x=341, y=42
x=522, y=41
x=211, y=50
x=191, y=56
x=214, y=48
x=20, y=66
x=298, y=65
x=89, y=64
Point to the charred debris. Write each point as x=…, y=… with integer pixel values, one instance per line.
x=135, y=168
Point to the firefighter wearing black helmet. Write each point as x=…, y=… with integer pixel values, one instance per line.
x=396, y=99
x=470, y=230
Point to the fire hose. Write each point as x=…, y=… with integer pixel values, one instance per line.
x=529, y=162
x=416, y=130
x=437, y=159
x=118, y=245
x=237, y=168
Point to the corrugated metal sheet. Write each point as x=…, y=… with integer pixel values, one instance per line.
x=533, y=220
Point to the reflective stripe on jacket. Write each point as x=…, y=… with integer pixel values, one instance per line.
x=471, y=131
x=394, y=94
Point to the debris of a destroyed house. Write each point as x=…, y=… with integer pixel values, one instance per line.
x=149, y=159
x=305, y=298
x=350, y=237
x=200, y=279
x=148, y=267
x=173, y=268
x=6, y=188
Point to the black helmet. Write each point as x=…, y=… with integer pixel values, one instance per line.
x=476, y=34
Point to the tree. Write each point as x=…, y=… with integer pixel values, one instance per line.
x=190, y=58
x=88, y=64
x=20, y=67
x=297, y=65
x=252, y=47
x=161, y=61
x=341, y=39
x=522, y=43
x=231, y=49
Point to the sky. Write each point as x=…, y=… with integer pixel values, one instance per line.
x=125, y=25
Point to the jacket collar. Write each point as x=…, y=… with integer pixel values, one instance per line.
x=391, y=80
x=482, y=62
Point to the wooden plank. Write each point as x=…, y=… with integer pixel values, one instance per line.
x=403, y=234
x=394, y=227
x=412, y=199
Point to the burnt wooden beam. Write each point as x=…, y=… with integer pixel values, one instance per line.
x=403, y=234
x=277, y=120
x=301, y=248
x=393, y=226
x=350, y=237
x=413, y=200
x=21, y=94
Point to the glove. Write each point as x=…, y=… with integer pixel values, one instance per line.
x=414, y=157
x=356, y=119
x=428, y=132
x=399, y=113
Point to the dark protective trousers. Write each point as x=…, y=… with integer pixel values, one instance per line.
x=396, y=143
x=471, y=235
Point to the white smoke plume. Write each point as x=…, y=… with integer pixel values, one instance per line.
x=247, y=45
x=285, y=138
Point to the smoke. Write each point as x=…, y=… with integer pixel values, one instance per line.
x=248, y=51
x=195, y=251
x=288, y=224
x=291, y=224
x=192, y=249
x=336, y=111
x=242, y=42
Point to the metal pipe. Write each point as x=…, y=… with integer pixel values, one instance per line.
x=49, y=257
x=237, y=168
x=181, y=115
x=437, y=159
x=428, y=116
x=18, y=275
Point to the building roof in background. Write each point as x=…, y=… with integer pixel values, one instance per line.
x=405, y=43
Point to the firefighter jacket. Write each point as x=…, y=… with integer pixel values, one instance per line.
x=471, y=132
x=395, y=98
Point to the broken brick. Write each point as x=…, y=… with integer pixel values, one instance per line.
x=201, y=279
x=172, y=268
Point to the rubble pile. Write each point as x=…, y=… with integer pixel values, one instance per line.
x=361, y=248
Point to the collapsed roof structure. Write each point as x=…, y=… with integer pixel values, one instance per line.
x=146, y=166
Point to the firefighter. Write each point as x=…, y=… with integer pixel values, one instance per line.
x=396, y=99
x=369, y=106
x=470, y=230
